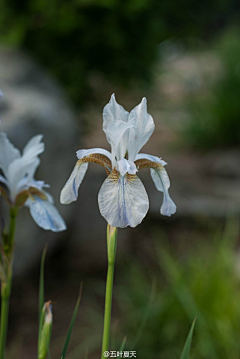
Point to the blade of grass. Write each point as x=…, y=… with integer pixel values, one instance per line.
x=41, y=282
x=183, y=293
x=65, y=347
x=146, y=314
x=122, y=346
x=187, y=346
x=41, y=293
x=49, y=355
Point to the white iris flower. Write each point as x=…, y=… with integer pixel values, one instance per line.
x=18, y=186
x=122, y=199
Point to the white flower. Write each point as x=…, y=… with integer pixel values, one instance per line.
x=122, y=199
x=18, y=186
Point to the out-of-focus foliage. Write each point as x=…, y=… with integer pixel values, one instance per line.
x=205, y=283
x=215, y=116
x=114, y=37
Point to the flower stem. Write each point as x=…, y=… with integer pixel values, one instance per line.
x=111, y=245
x=7, y=282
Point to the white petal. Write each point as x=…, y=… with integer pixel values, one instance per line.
x=25, y=166
x=45, y=214
x=38, y=184
x=34, y=147
x=101, y=151
x=69, y=192
x=20, y=168
x=116, y=131
x=124, y=166
x=144, y=156
x=8, y=152
x=27, y=182
x=3, y=180
x=162, y=183
x=140, y=135
x=123, y=201
x=116, y=127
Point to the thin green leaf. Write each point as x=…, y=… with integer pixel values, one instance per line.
x=41, y=292
x=65, y=347
x=41, y=282
x=146, y=314
x=187, y=346
x=122, y=346
x=48, y=349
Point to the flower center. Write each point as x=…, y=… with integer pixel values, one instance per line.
x=125, y=166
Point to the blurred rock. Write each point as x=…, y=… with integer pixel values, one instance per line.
x=34, y=103
x=206, y=184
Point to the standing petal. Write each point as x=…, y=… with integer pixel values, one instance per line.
x=69, y=192
x=140, y=135
x=17, y=170
x=45, y=214
x=8, y=152
x=34, y=147
x=116, y=127
x=115, y=131
x=162, y=183
x=25, y=166
x=123, y=201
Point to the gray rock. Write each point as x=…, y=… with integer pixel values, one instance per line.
x=34, y=103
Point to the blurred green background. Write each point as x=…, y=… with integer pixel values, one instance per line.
x=185, y=57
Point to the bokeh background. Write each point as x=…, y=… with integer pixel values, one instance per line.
x=60, y=61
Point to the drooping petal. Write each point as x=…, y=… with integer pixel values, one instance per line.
x=92, y=151
x=140, y=135
x=116, y=127
x=45, y=214
x=8, y=152
x=123, y=201
x=145, y=156
x=38, y=184
x=69, y=192
x=97, y=155
x=160, y=178
x=125, y=166
x=162, y=183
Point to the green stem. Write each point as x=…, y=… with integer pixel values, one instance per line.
x=6, y=284
x=12, y=226
x=112, y=245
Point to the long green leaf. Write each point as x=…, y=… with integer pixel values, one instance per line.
x=48, y=349
x=187, y=346
x=41, y=282
x=41, y=292
x=146, y=314
x=123, y=344
x=65, y=347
